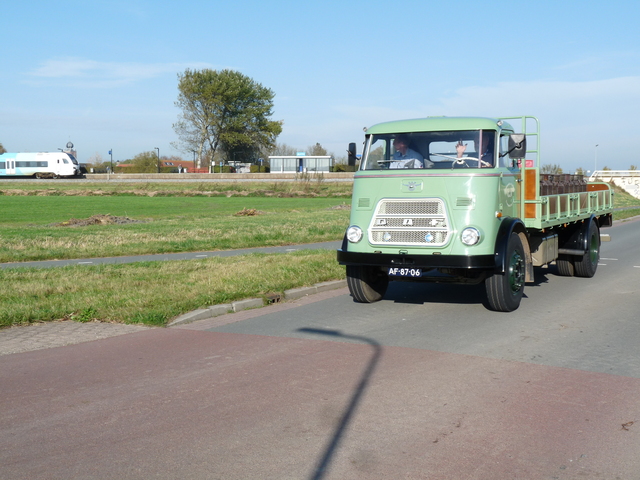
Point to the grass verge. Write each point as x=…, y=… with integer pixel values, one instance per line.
x=153, y=293
x=627, y=213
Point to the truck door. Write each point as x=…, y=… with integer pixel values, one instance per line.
x=511, y=187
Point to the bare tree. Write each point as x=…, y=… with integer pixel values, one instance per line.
x=97, y=162
x=284, y=150
x=552, y=169
x=316, y=150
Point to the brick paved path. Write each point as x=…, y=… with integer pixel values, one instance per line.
x=58, y=334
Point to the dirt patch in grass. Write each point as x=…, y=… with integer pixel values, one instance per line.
x=248, y=212
x=141, y=192
x=342, y=206
x=96, y=220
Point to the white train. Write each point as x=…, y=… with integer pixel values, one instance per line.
x=39, y=165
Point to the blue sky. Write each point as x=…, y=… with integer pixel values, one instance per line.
x=103, y=74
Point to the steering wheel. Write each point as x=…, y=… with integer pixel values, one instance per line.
x=460, y=161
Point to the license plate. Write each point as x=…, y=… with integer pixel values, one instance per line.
x=405, y=272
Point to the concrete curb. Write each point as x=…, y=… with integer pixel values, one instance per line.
x=249, y=303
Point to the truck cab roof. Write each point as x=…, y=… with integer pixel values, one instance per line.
x=436, y=124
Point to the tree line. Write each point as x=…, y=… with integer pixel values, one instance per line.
x=225, y=118
x=147, y=162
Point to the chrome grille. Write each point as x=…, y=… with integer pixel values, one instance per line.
x=410, y=222
x=411, y=207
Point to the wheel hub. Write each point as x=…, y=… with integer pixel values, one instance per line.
x=516, y=273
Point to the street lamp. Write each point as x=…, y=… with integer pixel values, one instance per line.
x=596, y=164
x=111, y=154
x=158, y=159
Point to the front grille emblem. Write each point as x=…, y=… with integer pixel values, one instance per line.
x=411, y=186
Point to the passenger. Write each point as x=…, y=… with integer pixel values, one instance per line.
x=486, y=155
x=404, y=157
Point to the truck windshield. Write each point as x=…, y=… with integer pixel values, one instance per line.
x=443, y=150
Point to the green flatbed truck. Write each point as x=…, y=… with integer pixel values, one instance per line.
x=462, y=200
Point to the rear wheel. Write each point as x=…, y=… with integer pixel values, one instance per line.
x=565, y=266
x=504, y=291
x=587, y=265
x=366, y=284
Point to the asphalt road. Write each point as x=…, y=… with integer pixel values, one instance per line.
x=426, y=384
x=171, y=256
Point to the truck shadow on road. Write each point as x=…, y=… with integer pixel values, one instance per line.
x=540, y=276
x=423, y=293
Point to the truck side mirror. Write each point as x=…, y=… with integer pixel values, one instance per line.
x=352, y=155
x=517, y=145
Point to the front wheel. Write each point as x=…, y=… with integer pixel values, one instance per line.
x=366, y=284
x=504, y=291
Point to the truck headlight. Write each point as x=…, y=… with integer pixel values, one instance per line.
x=470, y=236
x=354, y=234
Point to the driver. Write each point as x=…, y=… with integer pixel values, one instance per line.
x=404, y=157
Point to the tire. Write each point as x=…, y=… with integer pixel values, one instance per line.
x=504, y=291
x=565, y=266
x=587, y=265
x=366, y=284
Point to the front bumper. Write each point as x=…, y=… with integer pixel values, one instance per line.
x=477, y=262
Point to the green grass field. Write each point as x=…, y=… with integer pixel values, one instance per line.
x=45, y=227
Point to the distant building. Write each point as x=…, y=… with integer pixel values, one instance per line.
x=178, y=166
x=300, y=163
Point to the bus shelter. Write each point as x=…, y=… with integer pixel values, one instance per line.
x=300, y=163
